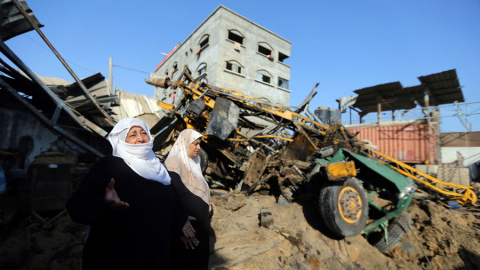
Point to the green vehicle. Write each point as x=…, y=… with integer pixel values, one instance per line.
x=373, y=200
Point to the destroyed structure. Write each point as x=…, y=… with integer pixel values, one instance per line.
x=233, y=53
x=52, y=129
x=434, y=90
x=417, y=141
x=250, y=145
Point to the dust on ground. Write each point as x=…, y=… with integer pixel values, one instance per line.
x=439, y=238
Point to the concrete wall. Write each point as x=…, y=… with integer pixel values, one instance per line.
x=221, y=50
x=470, y=154
x=447, y=174
x=471, y=158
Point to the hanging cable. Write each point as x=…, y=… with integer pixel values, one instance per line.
x=69, y=61
x=131, y=69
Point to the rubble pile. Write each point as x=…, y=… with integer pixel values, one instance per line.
x=255, y=232
x=439, y=238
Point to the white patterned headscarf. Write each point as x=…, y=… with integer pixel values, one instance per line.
x=139, y=157
x=188, y=168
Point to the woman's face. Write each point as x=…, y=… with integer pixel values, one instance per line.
x=194, y=148
x=137, y=135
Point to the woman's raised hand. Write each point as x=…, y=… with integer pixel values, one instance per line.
x=111, y=197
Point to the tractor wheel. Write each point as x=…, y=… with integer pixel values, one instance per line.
x=396, y=230
x=344, y=207
x=203, y=156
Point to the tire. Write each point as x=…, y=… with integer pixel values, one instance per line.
x=396, y=230
x=344, y=207
x=203, y=156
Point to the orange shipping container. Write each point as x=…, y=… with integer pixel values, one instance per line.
x=411, y=143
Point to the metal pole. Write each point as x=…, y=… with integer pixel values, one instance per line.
x=350, y=115
x=80, y=83
x=110, y=75
x=430, y=146
x=379, y=109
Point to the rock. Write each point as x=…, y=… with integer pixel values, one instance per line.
x=266, y=218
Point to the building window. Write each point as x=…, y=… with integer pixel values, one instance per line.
x=282, y=57
x=264, y=49
x=283, y=83
x=202, y=69
x=235, y=36
x=264, y=76
x=234, y=66
x=175, y=68
x=166, y=72
x=203, y=43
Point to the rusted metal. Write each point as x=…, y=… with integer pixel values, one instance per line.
x=410, y=142
x=262, y=147
x=256, y=168
x=159, y=81
x=299, y=149
x=223, y=119
x=92, y=126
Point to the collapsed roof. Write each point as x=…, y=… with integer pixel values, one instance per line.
x=12, y=21
x=442, y=88
x=83, y=112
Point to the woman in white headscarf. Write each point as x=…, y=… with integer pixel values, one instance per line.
x=184, y=166
x=129, y=202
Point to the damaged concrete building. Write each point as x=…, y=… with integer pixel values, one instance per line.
x=237, y=54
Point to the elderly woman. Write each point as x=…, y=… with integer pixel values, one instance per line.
x=129, y=203
x=187, y=179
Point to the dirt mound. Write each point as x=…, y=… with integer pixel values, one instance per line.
x=254, y=232
x=439, y=238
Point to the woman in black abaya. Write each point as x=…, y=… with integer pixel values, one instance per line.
x=194, y=194
x=129, y=202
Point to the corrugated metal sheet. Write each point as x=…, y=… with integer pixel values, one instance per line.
x=132, y=105
x=444, y=89
x=407, y=143
x=12, y=22
x=392, y=95
x=444, y=86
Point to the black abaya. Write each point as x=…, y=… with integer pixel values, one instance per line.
x=192, y=205
x=137, y=237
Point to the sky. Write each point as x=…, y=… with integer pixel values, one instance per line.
x=342, y=45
